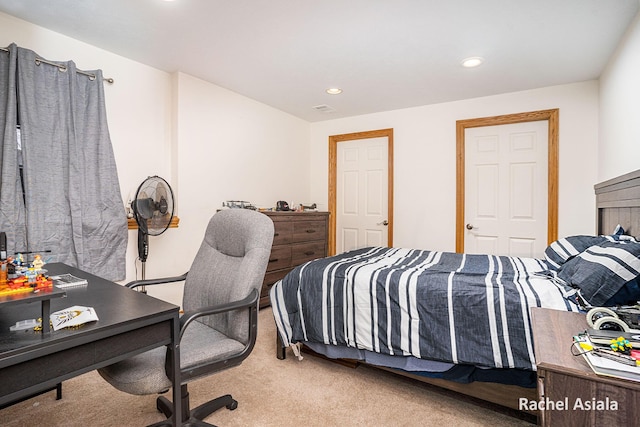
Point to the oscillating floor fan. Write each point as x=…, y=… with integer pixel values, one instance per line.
x=152, y=208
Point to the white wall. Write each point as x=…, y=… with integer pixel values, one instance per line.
x=619, y=147
x=139, y=105
x=210, y=144
x=425, y=163
x=228, y=147
x=214, y=145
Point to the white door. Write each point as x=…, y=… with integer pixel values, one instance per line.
x=506, y=192
x=361, y=193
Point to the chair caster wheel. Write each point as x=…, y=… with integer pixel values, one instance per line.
x=233, y=405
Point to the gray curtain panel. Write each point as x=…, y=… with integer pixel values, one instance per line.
x=72, y=195
x=12, y=212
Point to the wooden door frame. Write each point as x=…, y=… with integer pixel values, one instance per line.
x=333, y=168
x=552, y=116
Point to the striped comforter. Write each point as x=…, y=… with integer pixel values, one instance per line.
x=464, y=309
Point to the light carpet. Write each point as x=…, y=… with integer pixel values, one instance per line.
x=270, y=392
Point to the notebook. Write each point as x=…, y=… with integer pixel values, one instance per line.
x=64, y=281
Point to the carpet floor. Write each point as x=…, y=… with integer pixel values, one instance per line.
x=271, y=392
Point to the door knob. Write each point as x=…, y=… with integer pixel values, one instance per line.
x=385, y=222
x=469, y=227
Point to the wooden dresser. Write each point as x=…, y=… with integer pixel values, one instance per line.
x=299, y=237
x=571, y=394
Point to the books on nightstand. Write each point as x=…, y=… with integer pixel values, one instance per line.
x=604, y=363
x=603, y=336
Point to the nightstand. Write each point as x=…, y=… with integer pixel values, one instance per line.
x=569, y=393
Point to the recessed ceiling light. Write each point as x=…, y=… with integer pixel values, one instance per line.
x=474, y=61
x=334, y=91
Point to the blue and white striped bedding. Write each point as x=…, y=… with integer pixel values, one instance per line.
x=450, y=307
x=601, y=271
x=563, y=250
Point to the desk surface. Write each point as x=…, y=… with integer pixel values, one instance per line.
x=129, y=323
x=115, y=305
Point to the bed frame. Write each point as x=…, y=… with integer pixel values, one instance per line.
x=617, y=202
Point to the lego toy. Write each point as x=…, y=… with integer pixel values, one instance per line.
x=621, y=345
x=37, y=263
x=18, y=277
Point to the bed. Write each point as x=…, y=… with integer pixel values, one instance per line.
x=459, y=321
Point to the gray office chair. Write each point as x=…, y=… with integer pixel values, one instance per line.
x=219, y=325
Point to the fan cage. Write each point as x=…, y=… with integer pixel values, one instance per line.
x=146, y=200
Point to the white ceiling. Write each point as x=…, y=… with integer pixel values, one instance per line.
x=384, y=54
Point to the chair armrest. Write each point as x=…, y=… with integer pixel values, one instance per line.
x=159, y=281
x=250, y=301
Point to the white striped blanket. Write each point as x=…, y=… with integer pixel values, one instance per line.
x=464, y=309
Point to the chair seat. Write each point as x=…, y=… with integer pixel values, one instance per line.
x=145, y=373
x=221, y=292
x=202, y=345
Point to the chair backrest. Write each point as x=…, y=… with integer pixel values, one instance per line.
x=230, y=263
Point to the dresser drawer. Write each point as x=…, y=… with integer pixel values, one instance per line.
x=298, y=237
x=280, y=258
x=304, y=231
x=269, y=280
x=303, y=252
x=274, y=276
x=283, y=232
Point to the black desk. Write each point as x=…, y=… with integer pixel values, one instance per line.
x=44, y=296
x=129, y=323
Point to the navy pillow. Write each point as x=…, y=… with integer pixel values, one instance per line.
x=602, y=270
x=629, y=294
x=562, y=250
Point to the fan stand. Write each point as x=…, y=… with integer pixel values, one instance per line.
x=143, y=288
x=153, y=202
x=143, y=252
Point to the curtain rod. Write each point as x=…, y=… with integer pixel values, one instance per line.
x=62, y=67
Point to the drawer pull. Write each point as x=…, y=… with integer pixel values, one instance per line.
x=274, y=260
x=309, y=253
x=311, y=231
x=276, y=234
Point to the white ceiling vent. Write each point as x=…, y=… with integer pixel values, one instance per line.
x=323, y=108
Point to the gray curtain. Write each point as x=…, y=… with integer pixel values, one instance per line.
x=72, y=196
x=12, y=211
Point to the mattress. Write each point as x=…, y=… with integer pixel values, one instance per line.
x=451, y=308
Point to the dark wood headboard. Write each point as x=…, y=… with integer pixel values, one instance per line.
x=618, y=202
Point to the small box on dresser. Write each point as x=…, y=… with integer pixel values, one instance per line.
x=299, y=237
